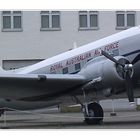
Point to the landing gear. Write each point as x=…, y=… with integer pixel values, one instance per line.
x=93, y=113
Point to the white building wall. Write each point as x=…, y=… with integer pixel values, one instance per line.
x=32, y=43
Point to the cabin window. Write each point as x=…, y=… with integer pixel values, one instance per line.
x=12, y=21
x=88, y=20
x=125, y=19
x=65, y=70
x=77, y=66
x=50, y=20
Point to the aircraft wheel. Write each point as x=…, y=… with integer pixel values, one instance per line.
x=95, y=114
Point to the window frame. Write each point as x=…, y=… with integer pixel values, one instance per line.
x=12, y=14
x=125, y=19
x=50, y=14
x=131, y=12
x=88, y=14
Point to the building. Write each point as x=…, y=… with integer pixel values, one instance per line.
x=27, y=37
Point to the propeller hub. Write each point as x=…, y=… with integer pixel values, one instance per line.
x=128, y=66
x=125, y=69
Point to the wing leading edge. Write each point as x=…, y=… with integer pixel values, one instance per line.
x=42, y=78
x=22, y=86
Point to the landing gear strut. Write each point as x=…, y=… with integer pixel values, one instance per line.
x=93, y=113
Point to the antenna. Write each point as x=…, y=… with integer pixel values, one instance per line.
x=74, y=45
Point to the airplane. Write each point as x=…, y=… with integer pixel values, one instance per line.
x=98, y=70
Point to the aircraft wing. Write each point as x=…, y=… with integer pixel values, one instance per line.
x=38, y=86
x=49, y=79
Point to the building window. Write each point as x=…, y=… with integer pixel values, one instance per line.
x=50, y=20
x=12, y=21
x=125, y=19
x=77, y=66
x=88, y=20
x=130, y=19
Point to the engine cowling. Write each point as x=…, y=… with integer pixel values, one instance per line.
x=111, y=74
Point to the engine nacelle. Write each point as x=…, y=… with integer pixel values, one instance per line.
x=107, y=70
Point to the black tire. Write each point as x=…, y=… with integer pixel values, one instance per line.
x=96, y=114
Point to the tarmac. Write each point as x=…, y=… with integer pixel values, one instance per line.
x=129, y=119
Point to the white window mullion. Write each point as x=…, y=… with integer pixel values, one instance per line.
x=88, y=20
x=12, y=21
x=50, y=21
x=125, y=20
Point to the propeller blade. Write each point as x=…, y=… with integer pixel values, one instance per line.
x=136, y=59
x=129, y=88
x=111, y=58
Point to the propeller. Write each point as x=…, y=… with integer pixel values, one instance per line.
x=127, y=72
x=111, y=58
x=136, y=59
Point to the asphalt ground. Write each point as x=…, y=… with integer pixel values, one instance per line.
x=25, y=120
